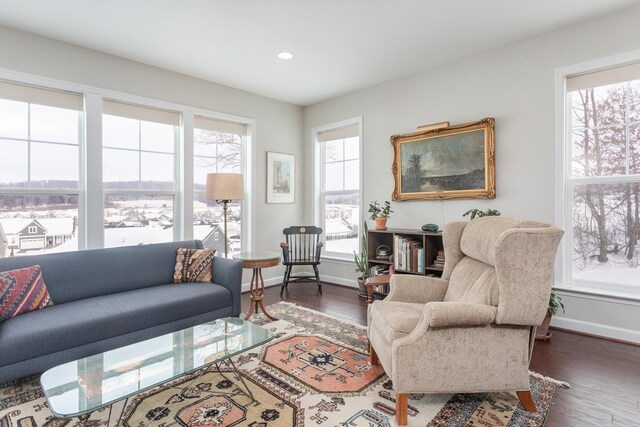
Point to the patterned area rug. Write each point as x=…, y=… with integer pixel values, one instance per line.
x=315, y=372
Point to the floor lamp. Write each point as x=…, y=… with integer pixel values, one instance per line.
x=223, y=188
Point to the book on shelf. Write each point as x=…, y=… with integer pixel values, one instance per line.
x=409, y=254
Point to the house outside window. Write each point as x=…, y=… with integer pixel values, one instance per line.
x=338, y=197
x=602, y=181
x=33, y=230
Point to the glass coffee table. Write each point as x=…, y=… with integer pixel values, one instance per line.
x=85, y=385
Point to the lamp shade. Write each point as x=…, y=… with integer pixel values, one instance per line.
x=224, y=186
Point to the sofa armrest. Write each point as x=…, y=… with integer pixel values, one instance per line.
x=456, y=314
x=420, y=289
x=228, y=273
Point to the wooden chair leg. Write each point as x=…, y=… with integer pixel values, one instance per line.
x=317, y=273
x=527, y=400
x=284, y=281
x=402, y=407
x=373, y=357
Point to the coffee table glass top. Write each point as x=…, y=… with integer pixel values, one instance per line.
x=257, y=255
x=85, y=385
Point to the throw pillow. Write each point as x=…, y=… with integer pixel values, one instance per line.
x=22, y=291
x=194, y=265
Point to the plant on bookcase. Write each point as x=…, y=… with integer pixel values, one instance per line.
x=361, y=263
x=380, y=214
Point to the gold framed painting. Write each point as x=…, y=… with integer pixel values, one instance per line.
x=448, y=162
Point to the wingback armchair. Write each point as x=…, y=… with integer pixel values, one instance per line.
x=473, y=329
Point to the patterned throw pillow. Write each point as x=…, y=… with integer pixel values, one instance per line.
x=22, y=291
x=194, y=265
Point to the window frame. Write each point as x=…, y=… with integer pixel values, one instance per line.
x=147, y=192
x=318, y=177
x=31, y=191
x=90, y=189
x=245, y=168
x=565, y=182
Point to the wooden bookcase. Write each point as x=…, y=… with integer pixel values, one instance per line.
x=431, y=242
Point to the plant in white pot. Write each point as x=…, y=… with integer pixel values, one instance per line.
x=361, y=263
x=555, y=305
x=380, y=214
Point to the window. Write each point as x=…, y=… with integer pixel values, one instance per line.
x=78, y=170
x=218, y=148
x=40, y=134
x=138, y=156
x=602, y=169
x=338, y=190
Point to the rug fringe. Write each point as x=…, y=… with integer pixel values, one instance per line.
x=563, y=384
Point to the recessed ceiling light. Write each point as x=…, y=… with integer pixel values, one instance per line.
x=285, y=55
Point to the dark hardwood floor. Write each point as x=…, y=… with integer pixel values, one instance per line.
x=604, y=375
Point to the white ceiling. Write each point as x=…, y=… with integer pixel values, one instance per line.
x=340, y=45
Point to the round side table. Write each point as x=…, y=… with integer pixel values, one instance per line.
x=257, y=261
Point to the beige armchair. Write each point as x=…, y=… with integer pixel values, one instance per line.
x=473, y=329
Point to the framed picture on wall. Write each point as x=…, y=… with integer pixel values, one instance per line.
x=280, y=177
x=448, y=162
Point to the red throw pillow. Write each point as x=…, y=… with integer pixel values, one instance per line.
x=22, y=291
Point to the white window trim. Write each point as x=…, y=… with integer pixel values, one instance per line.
x=563, y=203
x=317, y=182
x=90, y=192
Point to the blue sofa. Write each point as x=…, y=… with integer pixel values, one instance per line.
x=108, y=298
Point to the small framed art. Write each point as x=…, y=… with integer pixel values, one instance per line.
x=280, y=177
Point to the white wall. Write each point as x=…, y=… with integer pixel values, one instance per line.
x=514, y=84
x=278, y=124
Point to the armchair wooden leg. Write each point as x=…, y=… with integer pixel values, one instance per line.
x=373, y=357
x=402, y=406
x=527, y=400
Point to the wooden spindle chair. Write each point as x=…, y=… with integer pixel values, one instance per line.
x=302, y=246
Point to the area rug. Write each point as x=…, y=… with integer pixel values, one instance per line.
x=314, y=373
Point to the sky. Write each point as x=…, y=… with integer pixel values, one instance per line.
x=447, y=155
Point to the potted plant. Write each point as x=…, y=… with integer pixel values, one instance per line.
x=555, y=305
x=380, y=214
x=478, y=213
x=361, y=264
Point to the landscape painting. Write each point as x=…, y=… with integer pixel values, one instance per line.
x=445, y=163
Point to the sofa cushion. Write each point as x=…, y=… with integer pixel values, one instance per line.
x=396, y=319
x=22, y=291
x=77, y=323
x=193, y=265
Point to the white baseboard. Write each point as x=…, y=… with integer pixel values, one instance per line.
x=339, y=281
x=274, y=281
x=277, y=281
x=596, y=329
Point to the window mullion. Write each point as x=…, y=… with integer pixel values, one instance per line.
x=91, y=210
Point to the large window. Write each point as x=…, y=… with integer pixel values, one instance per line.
x=603, y=180
x=39, y=169
x=83, y=170
x=338, y=200
x=138, y=158
x=218, y=148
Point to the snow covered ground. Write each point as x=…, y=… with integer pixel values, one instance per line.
x=342, y=245
x=616, y=270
